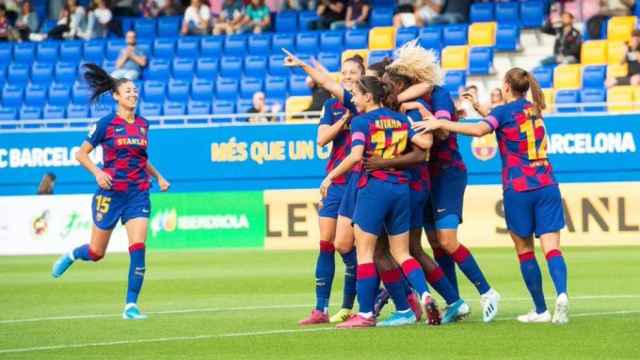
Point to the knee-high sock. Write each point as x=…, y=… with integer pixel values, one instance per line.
x=448, y=266
x=367, y=286
x=440, y=283
x=557, y=270
x=413, y=271
x=349, y=292
x=394, y=283
x=325, y=270
x=136, y=272
x=470, y=268
x=533, y=279
x=84, y=253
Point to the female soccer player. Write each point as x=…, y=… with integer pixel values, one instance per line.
x=334, y=127
x=382, y=198
x=532, y=201
x=448, y=174
x=123, y=181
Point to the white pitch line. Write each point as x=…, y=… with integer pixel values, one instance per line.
x=274, y=307
x=242, y=334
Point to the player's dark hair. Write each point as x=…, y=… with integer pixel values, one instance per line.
x=396, y=84
x=358, y=60
x=100, y=81
x=381, y=66
x=374, y=86
x=520, y=81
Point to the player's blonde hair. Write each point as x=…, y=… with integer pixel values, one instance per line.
x=417, y=63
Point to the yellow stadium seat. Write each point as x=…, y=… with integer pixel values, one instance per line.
x=567, y=76
x=620, y=99
x=350, y=53
x=482, y=34
x=549, y=100
x=616, y=51
x=594, y=52
x=617, y=70
x=382, y=38
x=296, y=104
x=455, y=58
x=619, y=28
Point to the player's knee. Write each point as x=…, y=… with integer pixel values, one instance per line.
x=96, y=254
x=343, y=247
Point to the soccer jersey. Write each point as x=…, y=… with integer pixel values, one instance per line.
x=444, y=153
x=384, y=133
x=347, y=97
x=522, y=140
x=419, y=178
x=332, y=111
x=124, y=148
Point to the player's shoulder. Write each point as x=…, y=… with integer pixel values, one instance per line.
x=103, y=122
x=142, y=120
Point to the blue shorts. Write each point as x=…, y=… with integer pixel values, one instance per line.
x=110, y=206
x=446, y=200
x=348, y=204
x=417, y=200
x=536, y=212
x=383, y=205
x=331, y=203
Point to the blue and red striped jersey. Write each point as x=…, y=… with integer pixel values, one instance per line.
x=124, y=149
x=522, y=140
x=419, y=177
x=332, y=111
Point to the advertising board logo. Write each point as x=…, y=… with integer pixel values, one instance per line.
x=168, y=221
x=165, y=220
x=40, y=224
x=484, y=148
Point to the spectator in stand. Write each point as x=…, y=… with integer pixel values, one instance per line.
x=230, y=19
x=496, y=99
x=131, y=60
x=259, y=107
x=196, y=19
x=425, y=12
x=5, y=33
x=566, y=49
x=608, y=8
x=98, y=21
x=357, y=14
x=454, y=12
x=464, y=106
x=329, y=12
x=155, y=8
x=294, y=5
x=125, y=8
x=257, y=18
x=72, y=19
x=632, y=58
x=27, y=22
x=55, y=7
x=318, y=95
x=47, y=184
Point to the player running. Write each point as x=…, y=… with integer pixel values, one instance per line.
x=123, y=181
x=532, y=201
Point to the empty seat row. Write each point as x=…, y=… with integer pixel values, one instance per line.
x=575, y=76
x=528, y=13
x=615, y=99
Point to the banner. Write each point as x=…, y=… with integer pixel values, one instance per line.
x=207, y=220
x=32, y=225
x=291, y=219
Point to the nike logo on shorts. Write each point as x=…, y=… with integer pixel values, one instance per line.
x=145, y=211
x=441, y=210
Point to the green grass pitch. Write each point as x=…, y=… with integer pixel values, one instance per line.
x=246, y=304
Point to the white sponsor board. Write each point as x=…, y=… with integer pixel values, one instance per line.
x=53, y=224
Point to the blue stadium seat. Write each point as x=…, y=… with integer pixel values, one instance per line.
x=174, y=108
x=356, y=39
x=66, y=71
x=77, y=111
x=53, y=112
x=244, y=105
x=481, y=12
x=169, y=26
x=109, y=65
x=250, y=85
x=226, y=88
x=532, y=14
x=276, y=65
x=188, y=46
x=41, y=72
x=93, y=51
x=255, y=66
x=47, y=51
x=80, y=93
x=59, y=94
x=307, y=42
x=507, y=37
x=330, y=60
x=305, y=19
x=164, y=48
x=220, y=106
x=211, y=46
x=259, y=44
x=114, y=46
x=377, y=56
x=8, y=113
x=12, y=95
x=150, y=109
x=298, y=86
x=35, y=95
x=70, y=50
x=298, y=70
x=127, y=23
x=178, y=90
x=593, y=77
x=286, y=21
x=567, y=97
x=231, y=66
x=453, y=80
x=18, y=73
x=381, y=16
x=275, y=86
x=507, y=12
x=24, y=52
x=6, y=52
x=454, y=34
x=404, y=35
x=183, y=68
x=100, y=111
x=145, y=28
x=480, y=60
x=154, y=91
x=30, y=113
x=431, y=37
x=158, y=69
x=544, y=75
x=280, y=41
x=146, y=45
x=196, y=107
x=331, y=41
x=235, y=45
x=207, y=67
x=593, y=96
x=202, y=89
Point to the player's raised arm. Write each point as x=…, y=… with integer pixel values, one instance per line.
x=320, y=77
x=478, y=129
x=414, y=91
